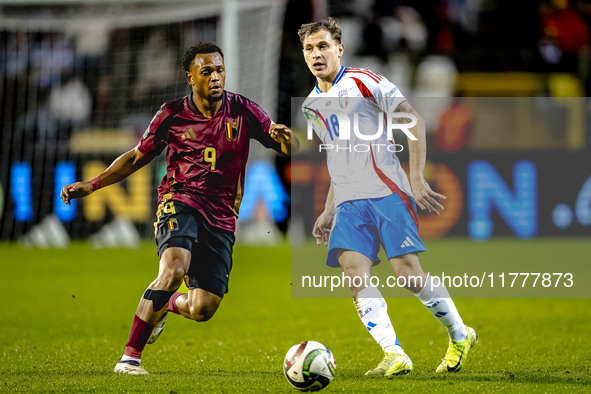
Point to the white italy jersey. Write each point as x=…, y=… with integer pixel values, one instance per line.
x=359, y=168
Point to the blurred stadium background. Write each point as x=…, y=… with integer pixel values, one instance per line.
x=80, y=81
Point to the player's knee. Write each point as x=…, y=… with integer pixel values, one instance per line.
x=354, y=268
x=407, y=266
x=202, y=312
x=404, y=267
x=171, y=278
x=173, y=267
x=354, y=264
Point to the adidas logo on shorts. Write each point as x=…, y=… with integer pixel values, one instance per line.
x=407, y=242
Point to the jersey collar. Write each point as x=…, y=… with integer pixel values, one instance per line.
x=192, y=105
x=339, y=75
x=336, y=80
x=196, y=111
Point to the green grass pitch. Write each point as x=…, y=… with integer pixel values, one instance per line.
x=66, y=316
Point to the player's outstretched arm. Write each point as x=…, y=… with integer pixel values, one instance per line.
x=424, y=197
x=282, y=134
x=323, y=224
x=121, y=168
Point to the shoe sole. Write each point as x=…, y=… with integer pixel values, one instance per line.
x=408, y=369
x=130, y=371
x=403, y=372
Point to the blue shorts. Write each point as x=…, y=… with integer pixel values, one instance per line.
x=364, y=225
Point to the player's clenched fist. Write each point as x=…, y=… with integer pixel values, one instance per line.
x=76, y=190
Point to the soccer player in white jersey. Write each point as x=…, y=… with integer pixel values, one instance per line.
x=370, y=201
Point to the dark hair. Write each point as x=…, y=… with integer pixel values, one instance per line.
x=330, y=24
x=200, y=47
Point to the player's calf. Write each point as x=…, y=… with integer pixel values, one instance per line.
x=199, y=305
x=202, y=313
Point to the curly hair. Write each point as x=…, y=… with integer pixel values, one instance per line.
x=200, y=47
x=330, y=24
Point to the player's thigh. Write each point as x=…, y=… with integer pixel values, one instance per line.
x=203, y=304
x=353, y=231
x=211, y=261
x=175, y=232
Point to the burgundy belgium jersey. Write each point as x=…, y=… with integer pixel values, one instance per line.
x=207, y=157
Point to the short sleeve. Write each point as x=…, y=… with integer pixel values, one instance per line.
x=388, y=95
x=259, y=125
x=381, y=91
x=154, y=139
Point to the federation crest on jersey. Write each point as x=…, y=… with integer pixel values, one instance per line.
x=173, y=224
x=232, y=129
x=343, y=99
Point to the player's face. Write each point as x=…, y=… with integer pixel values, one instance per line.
x=323, y=54
x=207, y=75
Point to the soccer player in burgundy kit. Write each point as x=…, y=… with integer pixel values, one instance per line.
x=208, y=135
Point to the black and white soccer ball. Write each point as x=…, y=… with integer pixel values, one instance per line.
x=309, y=366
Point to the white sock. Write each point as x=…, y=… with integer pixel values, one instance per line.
x=373, y=311
x=127, y=358
x=439, y=302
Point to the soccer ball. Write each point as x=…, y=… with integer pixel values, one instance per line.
x=309, y=366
